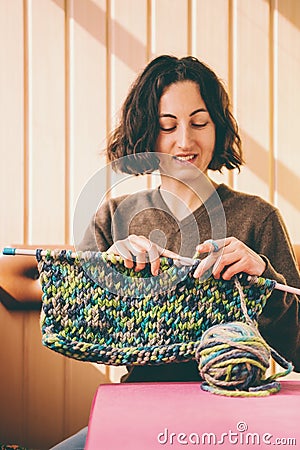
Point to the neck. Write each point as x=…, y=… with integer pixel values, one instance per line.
x=184, y=198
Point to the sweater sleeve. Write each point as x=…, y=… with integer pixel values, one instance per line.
x=98, y=235
x=279, y=323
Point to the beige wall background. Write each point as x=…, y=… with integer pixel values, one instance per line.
x=66, y=66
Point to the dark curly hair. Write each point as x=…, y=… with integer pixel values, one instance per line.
x=138, y=129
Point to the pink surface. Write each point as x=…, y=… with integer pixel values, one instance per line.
x=132, y=416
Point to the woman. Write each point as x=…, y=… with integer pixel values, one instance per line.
x=177, y=119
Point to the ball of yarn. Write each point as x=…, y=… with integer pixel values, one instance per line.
x=233, y=359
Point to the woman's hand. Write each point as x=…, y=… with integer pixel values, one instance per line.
x=140, y=249
x=232, y=257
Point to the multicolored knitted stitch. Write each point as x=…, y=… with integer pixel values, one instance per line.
x=87, y=320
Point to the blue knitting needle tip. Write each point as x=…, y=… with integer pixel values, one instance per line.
x=9, y=251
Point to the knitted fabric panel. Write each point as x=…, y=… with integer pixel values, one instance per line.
x=87, y=320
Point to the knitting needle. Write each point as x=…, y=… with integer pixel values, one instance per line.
x=10, y=251
x=183, y=260
x=286, y=288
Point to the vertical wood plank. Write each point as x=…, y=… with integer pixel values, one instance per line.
x=211, y=47
x=11, y=123
x=12, y=376
x=81, y=382
x=87, y=94
x=128, y=45
x=47, y=120
x=287, y=163
x=43, y=371
x=44, y=388
x=252, y=90
x=170, y=27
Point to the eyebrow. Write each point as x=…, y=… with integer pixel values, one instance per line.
x=192, y=114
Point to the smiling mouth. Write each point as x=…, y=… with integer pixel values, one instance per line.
x=187, y=158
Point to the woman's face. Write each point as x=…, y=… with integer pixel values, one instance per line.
x=187, y=132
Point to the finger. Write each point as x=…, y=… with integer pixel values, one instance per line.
x=154, y=253
x=169, y=254
x=236, y=257
x=139, y=242
x=205, y=265
x=154, y=258
x=150, y=252
x=212, y=245
x=145, y=251
x=120, y=248
x=247, y=265
x=226, y=259
x=141, y=259
x=141, y=246
x=142, y=243
x=232, y=270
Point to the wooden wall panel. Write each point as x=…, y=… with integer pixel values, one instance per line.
x=128, y=48
x=46, y=121
x=210, y=34
x=86, y=96
x=81, y=382
x=252, y=93
x=128, y=56
x=212, y=45
x=170, y=27
x=44, y=388
x=287, y=116
x=12, y=210
x=12, y=121
x=12, y=385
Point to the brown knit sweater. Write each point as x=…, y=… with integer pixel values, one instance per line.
x=246, y=217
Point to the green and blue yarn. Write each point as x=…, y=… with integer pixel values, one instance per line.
x=83, y=319
x=233, y=359
x=109, y=322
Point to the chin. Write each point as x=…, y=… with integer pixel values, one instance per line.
x=186, y=174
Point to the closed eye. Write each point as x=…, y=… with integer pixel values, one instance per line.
x=168, y=129
x=199, y=125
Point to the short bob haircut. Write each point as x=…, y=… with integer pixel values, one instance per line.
x=139, y=126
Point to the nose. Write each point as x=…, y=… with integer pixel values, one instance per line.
x=184, y=137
